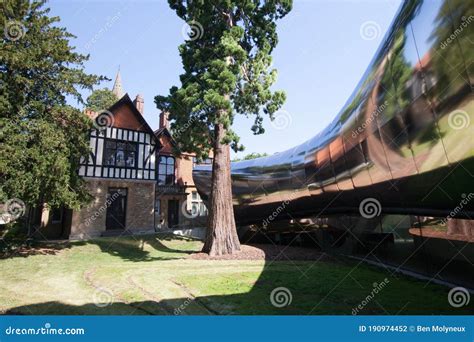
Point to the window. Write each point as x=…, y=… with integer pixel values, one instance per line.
x=195, y=209
x=198, y=208
x=158, y=207
x=120, y=154
x=56, y=215
x=202, y=209
x=166, y=170
x=158, y=217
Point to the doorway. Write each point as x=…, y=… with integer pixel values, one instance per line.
x=116, y=209
x=173, y=213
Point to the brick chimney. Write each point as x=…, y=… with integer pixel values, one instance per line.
x=164, y=120
x=139, y=103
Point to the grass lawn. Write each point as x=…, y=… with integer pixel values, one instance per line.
x=154, y=275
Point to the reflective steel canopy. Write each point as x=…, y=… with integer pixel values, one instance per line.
x=404, y=137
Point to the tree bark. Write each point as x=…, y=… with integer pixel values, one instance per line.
x=221, y=235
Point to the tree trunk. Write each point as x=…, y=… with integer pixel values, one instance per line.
x=221, y=235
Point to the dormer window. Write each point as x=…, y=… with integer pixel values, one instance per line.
x=120, y=153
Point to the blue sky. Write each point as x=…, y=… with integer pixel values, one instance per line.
x=323, y=51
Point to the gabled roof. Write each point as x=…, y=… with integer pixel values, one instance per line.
x=166, y=132
x=163, y=130
x=125, y=100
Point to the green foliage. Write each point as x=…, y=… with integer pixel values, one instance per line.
x=227, y=69
x=42, y=138
x=253, y=155
x=393, y=89
x=455, y=19
x=101, y=99
x=239, y=288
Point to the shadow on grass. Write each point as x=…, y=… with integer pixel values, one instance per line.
x=134, y=248
x=319, y=285
x=26, y=248
x=130, y=248
x=255, y=302
x=315, y=287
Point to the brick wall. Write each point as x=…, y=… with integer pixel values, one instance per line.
x=90, y=220
x=184, y=170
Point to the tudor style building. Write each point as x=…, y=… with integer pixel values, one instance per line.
x=120, y=173
x=137, y=184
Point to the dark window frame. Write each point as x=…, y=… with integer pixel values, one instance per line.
x=52, y=217
x=117, y=141
x=166, y=174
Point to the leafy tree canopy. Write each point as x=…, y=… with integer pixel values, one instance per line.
x=227, y=69
x=42, y=138
x=100, y=99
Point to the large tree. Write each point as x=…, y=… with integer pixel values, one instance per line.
x=101, y=99
x=42, y=138
x=227, y=71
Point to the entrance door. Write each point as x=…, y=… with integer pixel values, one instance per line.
x=116, y=209
x=173, y=213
